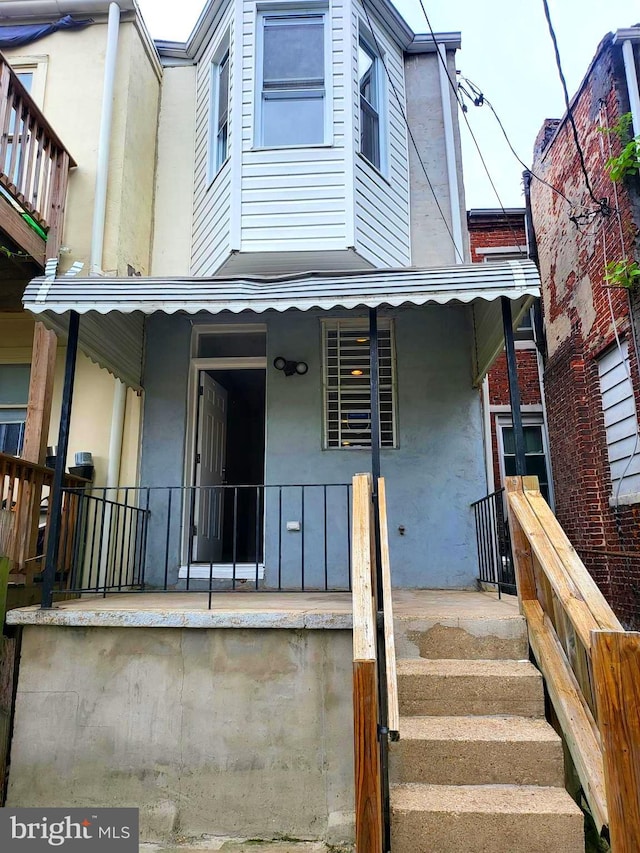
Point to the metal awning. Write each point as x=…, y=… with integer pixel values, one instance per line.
x=112, y=309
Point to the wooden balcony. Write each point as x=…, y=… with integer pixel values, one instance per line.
x=34, y=172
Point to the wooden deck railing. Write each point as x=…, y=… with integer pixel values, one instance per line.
x=34, y=166
x=591, y=665
x=372, y=723
x=23, y=486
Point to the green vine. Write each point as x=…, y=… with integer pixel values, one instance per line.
x=628, y=161
x=625, y=272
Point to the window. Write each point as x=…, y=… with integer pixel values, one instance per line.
x=620, y=421
x=369, y=80
x=222, y=110
x=291, y=71
x=347, y=384
x=534, y=448
x=14, y=392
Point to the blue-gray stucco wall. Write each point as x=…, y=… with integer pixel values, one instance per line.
x=431, y=477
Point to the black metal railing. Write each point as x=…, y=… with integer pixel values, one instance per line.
x=293, y=537
x=495, y=559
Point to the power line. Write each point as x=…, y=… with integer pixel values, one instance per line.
x=409, y=131
x=478, y=99
x=602, y=203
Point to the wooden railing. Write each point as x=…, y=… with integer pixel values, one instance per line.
x=590, y=664
x=373, y=666
x=23, y=486
x=34, y=166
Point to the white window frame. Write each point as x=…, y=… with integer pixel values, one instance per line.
x=310, y=8
x=503, y=421
x=371, y=45
x=36, y=64
x=361, y=324
x=214, y=162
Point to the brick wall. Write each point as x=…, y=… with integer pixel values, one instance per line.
x=581, y=315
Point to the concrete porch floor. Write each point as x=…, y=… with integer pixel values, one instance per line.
x=262, y=610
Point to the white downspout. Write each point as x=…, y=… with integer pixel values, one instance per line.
x=488, y=443
x=450, y=151
x=632, y=84
x=104, y=141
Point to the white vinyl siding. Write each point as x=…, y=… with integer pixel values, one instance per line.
x=293, y=198
x=620, y=421
x=382, y=197
x=347, y=384
x=211, y=241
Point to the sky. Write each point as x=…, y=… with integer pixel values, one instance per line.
x=506, y=51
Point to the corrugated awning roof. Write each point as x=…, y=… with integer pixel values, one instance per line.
x=111, y=339
x=302, y=292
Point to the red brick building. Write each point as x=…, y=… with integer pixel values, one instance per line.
x=591, y=374
x=495, y=235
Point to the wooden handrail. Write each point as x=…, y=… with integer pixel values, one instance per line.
x=368, y=778
x=34, y=162
x=591, y=665
x=393, y=706
x=369, y=725
x=21, y=491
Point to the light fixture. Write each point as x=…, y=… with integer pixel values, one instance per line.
x=290, y=368
x=357, y=372
x=361, y=340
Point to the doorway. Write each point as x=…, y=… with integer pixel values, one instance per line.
x=229, y=452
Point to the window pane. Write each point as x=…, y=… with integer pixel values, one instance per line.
x=297, y=120
x=366, y=74
x=293, y=51
x=223, y=91
x=14, y=384
x=508, y=441
x=533, y=439
x=26, y=78
x=369, y=133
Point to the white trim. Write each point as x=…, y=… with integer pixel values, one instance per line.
x=525, y=408
x=236, y=49
x=258, y=362
x=450, y=155
x=488, y=443
x=350, y=89
x=224, y=571
x=223, y=48
x=39, y=65
x=500, y=250
x=370, y=41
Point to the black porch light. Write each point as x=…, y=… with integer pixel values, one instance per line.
x=290, y=368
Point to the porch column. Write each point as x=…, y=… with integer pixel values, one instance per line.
x=43, y=364
x=55, y=510
x=375, y=397
x=514, y=388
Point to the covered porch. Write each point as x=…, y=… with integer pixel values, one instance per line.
x=245, y=467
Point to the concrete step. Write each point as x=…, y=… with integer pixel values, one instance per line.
x=477, y=751
x=484, y=819
x=501, y=636
x=466, y=687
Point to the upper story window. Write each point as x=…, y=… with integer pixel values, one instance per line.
x=291, y=73
x=369, y=81
x=219, y=110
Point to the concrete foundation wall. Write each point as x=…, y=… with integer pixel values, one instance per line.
x=216, y=731
x=432, y=477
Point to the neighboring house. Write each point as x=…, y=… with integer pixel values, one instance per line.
x=591, y=374
x=496, y=236
x=292, y=232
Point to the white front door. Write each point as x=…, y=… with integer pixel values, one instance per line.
x=210, y=470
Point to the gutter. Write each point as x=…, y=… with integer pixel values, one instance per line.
x=23, y=9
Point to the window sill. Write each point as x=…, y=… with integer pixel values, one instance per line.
x=373, y=168
x=624, y=500
x=291, y=147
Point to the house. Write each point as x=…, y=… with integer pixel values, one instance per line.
x=591, y=373
x=308, y=312
x=496, y=236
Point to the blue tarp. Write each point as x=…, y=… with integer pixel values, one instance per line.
x=26, y=33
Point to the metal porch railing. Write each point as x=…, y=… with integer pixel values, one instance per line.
x=293, y=537
x=495, y=559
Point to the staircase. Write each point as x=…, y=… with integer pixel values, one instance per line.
x=477, y=768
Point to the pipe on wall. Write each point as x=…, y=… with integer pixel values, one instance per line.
x=632, y=84
x=104, y=141
x=450, y=151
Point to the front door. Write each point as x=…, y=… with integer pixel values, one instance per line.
x=210, y=470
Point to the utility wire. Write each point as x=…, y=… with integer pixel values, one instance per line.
x=478, y=99
x=409, y=131
x=454, y=88
x=602, y=203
